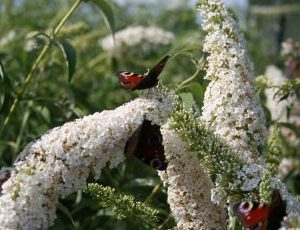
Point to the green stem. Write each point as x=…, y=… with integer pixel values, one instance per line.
x=154, y=191
x=187, y=81
x=162, y=226
x=38, y=60
x=66, y=17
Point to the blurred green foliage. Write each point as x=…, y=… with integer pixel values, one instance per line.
x=56, y=95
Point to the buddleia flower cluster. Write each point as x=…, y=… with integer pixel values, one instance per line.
x=231, y=108
x=60, y=161
x=137, y=38
x=7, y=38
x=232, y=153
x=189, y=186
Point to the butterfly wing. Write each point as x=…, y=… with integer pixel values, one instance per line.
x=277, y=211
x=262, y=216
x=151, y=79
x=133, y=81
x=132, y=142
x=252, y=214
x=130, y=80
x=146, y=144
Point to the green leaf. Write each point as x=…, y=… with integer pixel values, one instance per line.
x=142, y=182
x=108, y=14
x=2, y=86
x=43, y=113
x=80, y=112
x=188, y=100
x=197, y=90
x=283, y=97
x=69, y=53
x=34, y=34
x=2, y=74
x=66, y=211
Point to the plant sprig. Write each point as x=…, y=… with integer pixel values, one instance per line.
x=122, y=204
x=217, y=156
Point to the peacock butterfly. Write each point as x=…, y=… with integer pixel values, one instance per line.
x=262, y=216
x=146, y=144
x=133, y=81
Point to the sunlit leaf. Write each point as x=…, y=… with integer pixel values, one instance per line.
x=2, y=87
x=34, y=34
x=79, y=112
x=43, y=113
x=106, y=9
x=1, y=72
x=188, y=100
x=141, y=182
x=69, y=53
x=197, y=91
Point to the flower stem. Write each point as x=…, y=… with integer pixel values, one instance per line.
x=66, y=17
x=187, y=81
x=35, y=65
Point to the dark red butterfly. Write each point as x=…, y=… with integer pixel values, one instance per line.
x=135, y=81
x=262, y=216
x=146, y=144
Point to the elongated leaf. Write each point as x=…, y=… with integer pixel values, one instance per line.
x=197, y=90
x=283, y=97
x=66, y=211
x=2, y=87
x=188, y=100
x=6, y=91
x=108, y=14
x=34, y=34
x=69, y=53
x=1, y=72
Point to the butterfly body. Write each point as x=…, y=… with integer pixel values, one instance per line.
x=134, y=81
x=262, y=216
x=146, y=144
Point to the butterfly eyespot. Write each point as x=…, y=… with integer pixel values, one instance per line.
x=154, y=139
x=246, y=207
x=262, y=215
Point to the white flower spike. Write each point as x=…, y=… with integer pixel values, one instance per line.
x=61, y=160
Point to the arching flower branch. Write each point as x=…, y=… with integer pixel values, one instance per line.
x=189, y=187
x=61, y=160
